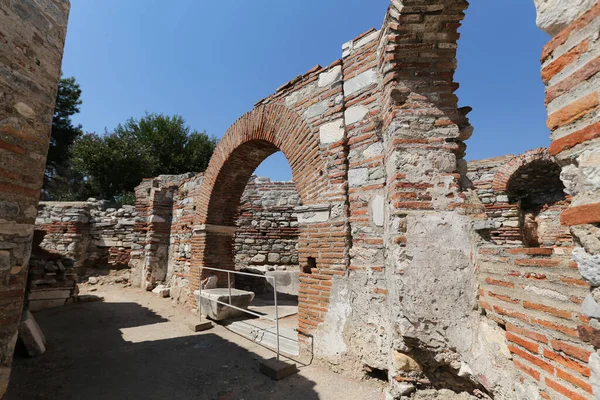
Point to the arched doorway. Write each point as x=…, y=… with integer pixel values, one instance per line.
x=322, y=246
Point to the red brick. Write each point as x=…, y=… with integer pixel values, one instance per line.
x=573, y=111
x=564, y=391
x=538, y=362
x=529, y=371
x=573, y=351
x=574, y=380
x=567, y=362
x=580, y=215
x=533, y=347
x=563, y=61
x=547, y=309
x=527, y=333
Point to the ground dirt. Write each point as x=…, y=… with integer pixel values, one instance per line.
x=134, y=345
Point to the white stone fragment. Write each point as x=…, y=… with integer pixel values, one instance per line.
x=590, y=308
x=332, y=132
x=25, y=110
x=355, y=114
x=330, y=77
x=378, y=209
x=373, y=150
x=358, y=176
x=316, y=109
x=595, y=378
x=589, y=265
x=554, y=15
x=360, y=81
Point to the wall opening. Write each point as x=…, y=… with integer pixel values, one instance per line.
x=539, y=193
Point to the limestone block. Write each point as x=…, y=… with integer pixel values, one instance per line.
x=316, y=110
x=162, y=291
x=330, y=77
x=258, y=259
x=332, y=132
x=32, y=336
x=287, y=281
x=219, y=312
x=373, y=150
x=377, y=209
x=360, y=82
x=589, y=265
x=590, y=307
x=555, y=15
x=355, y=114
x=358, y=176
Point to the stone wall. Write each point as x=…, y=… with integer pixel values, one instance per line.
x=267, y=233
x=404, y=268
x=390, y=231
x=32, y=35
x=93, y=233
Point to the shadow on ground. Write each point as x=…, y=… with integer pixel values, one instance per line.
x=111, y=351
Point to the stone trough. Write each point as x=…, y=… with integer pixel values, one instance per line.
x=218, y=312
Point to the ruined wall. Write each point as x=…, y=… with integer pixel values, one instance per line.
x=570, y=67
x=32, y=36
x=267, y=233
x=93, y=233
x=180, y=243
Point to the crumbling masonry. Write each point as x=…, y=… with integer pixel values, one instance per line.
x=413, y=263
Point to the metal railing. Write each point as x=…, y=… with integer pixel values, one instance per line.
x=200, y=296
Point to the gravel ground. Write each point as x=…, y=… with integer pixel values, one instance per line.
x=134, y=345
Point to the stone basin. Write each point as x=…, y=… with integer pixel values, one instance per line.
x=219, y=312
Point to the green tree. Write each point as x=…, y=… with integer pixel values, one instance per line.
x=61, y=182
x=116, y=162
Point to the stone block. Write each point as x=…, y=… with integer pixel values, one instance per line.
x=218, y=312
x=360, y=82
x=355, y=114
x=202, y=325
x=161, y=291
x=277, y=369
x=38, y=305
x=32, y=336
x=330, y=77
x=287, y=281
x=332, y=132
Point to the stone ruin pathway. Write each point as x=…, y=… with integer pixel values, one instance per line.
x=134, y=345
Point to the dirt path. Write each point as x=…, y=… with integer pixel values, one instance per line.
x=137, y=346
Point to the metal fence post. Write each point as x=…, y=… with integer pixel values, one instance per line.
x=276, y=313
x=229, y=285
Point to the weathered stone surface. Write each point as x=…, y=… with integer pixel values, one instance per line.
x=589, y=265
x=554, y=15
x=332, y=132
x=219, y=312
x=32, y=336
x=595, y=378
x=330, y=77
x=360, y=82
x=355, y=114
x=590, y=307
x=277, y=369
x=161, y=291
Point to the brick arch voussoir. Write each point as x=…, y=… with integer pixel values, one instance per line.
x=504, y=173
x=274, y=124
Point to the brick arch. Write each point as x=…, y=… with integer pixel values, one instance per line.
x=505, y=172
x=255, y=136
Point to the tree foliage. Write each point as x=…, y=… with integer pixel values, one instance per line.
x=61, y=182
x=116, y=162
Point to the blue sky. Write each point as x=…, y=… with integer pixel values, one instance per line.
x=211, y=61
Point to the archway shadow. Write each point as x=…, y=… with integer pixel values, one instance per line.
x=94, y=352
